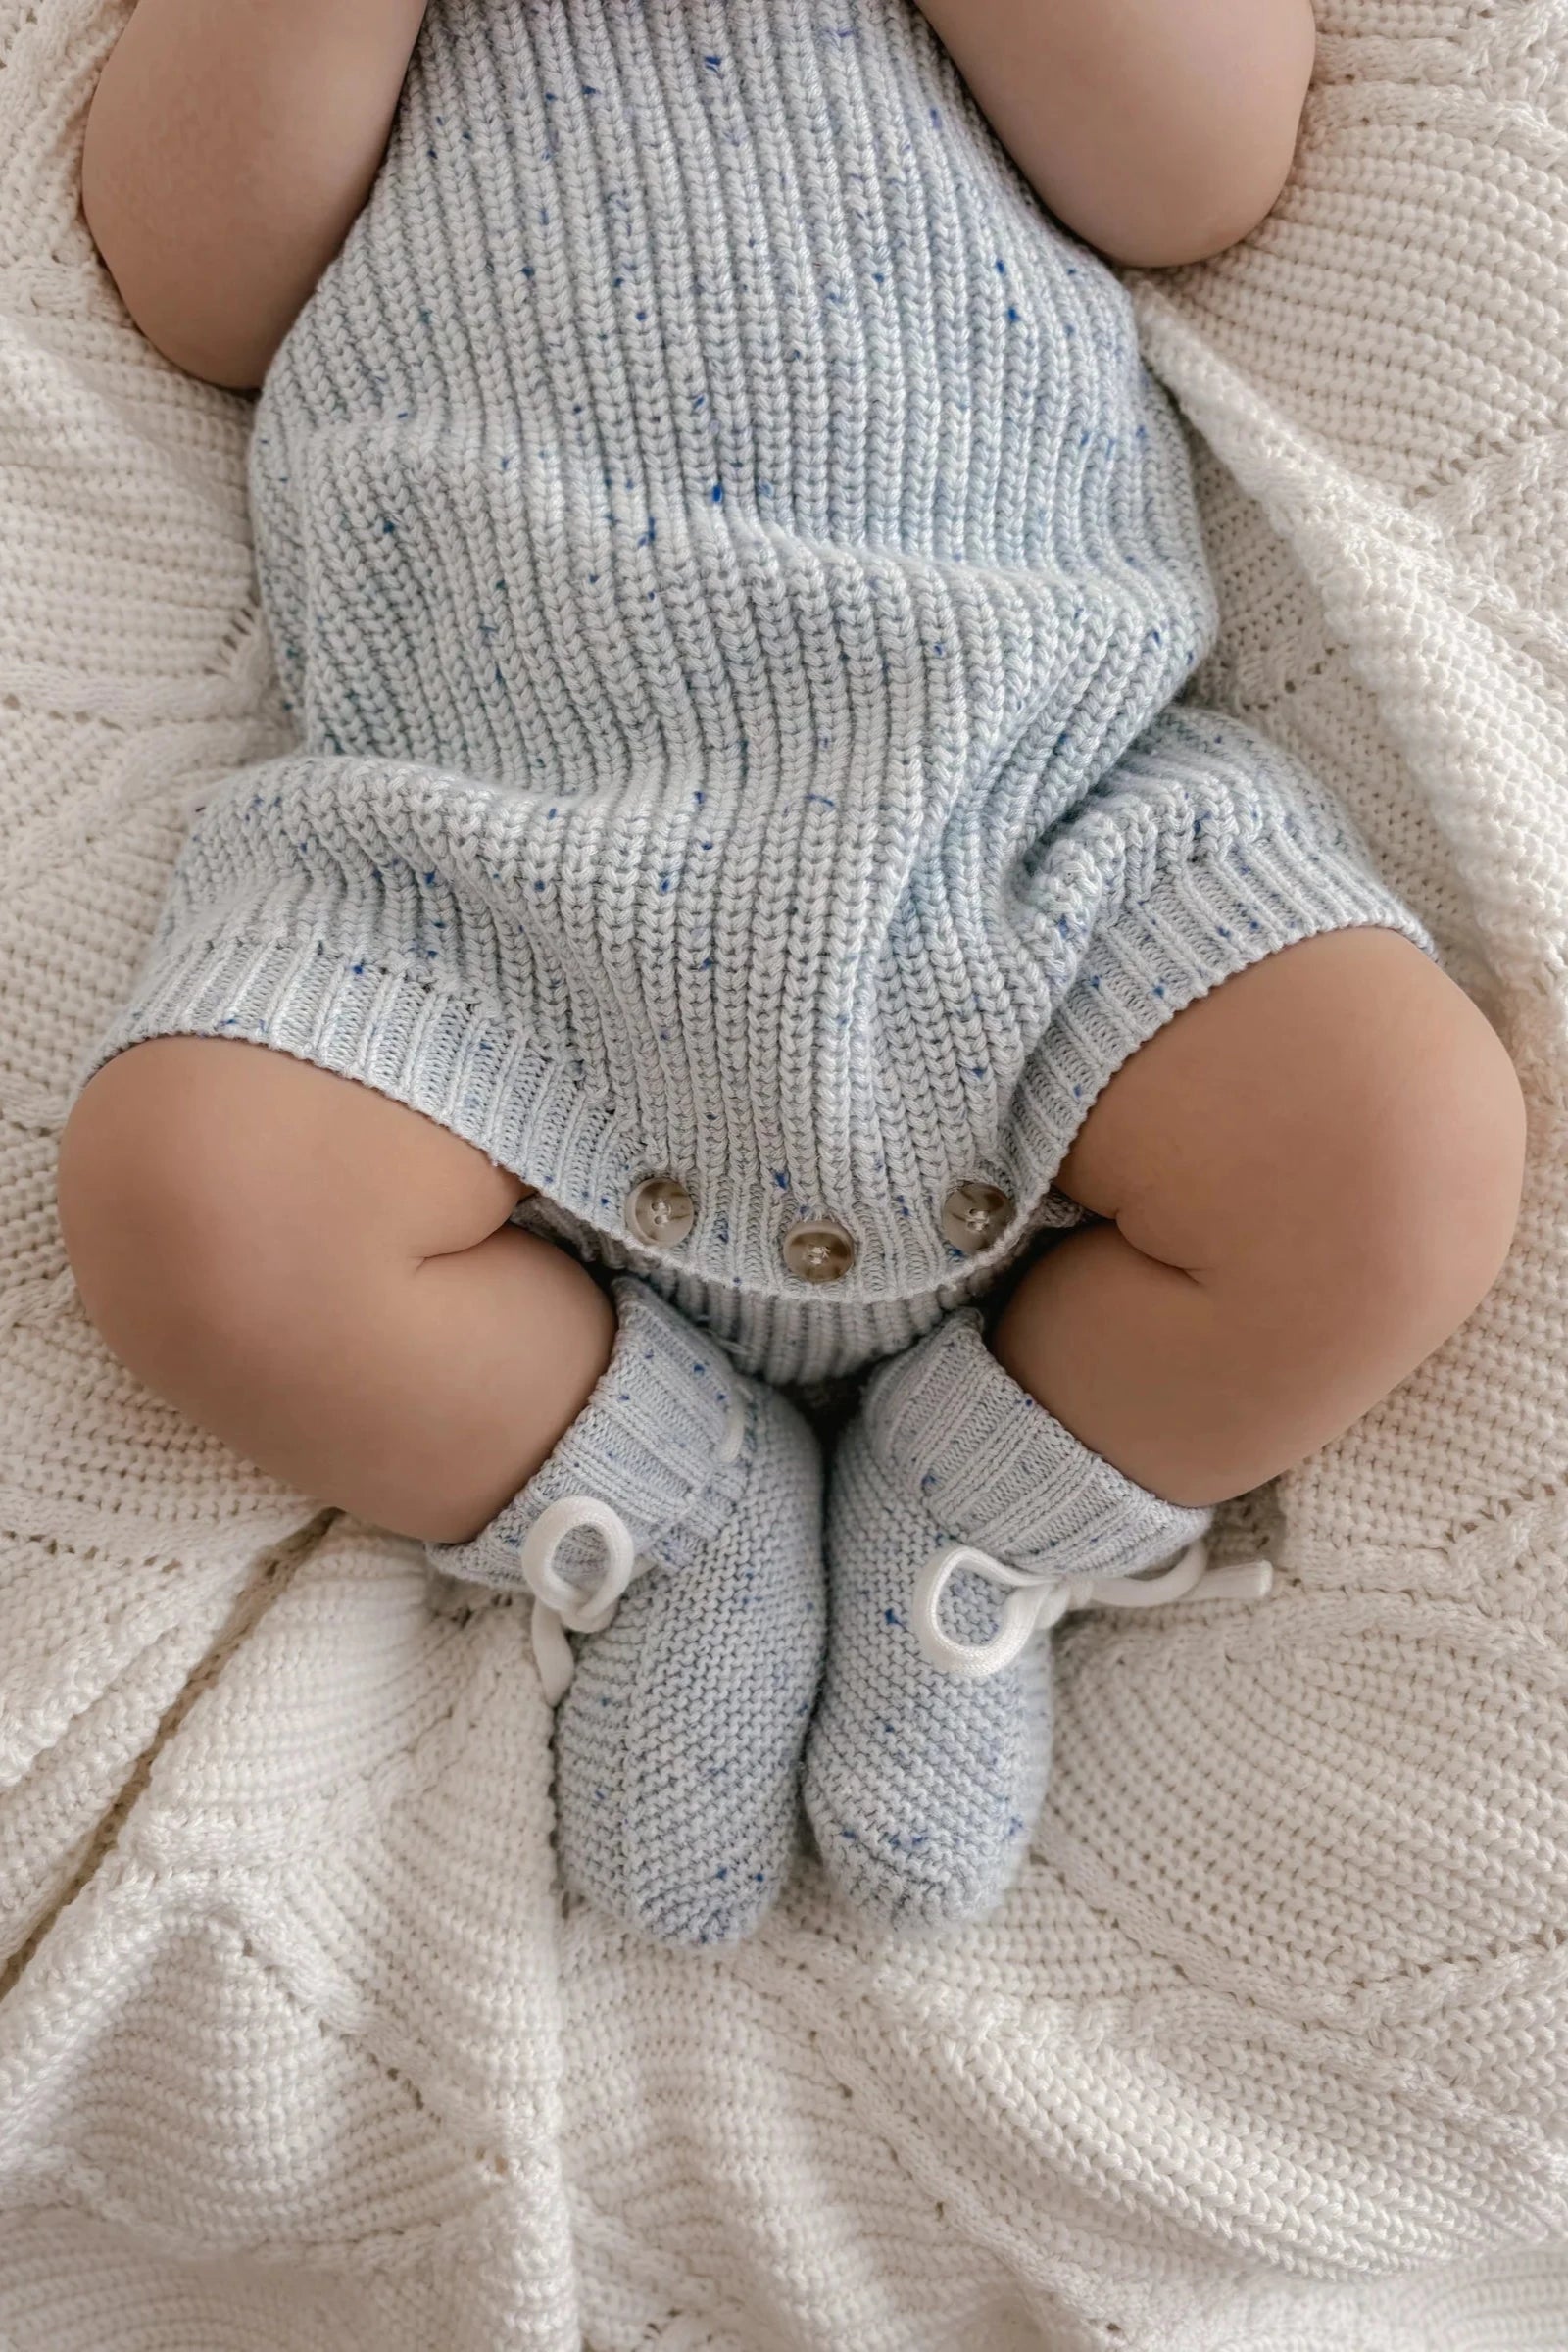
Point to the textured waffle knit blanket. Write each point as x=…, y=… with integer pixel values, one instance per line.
x=1266, y=2052
x=730, y=568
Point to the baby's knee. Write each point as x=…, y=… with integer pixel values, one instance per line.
x=189, y=1225
x=1434, y=1169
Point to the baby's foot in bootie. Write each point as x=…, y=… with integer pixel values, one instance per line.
x=964, y=1519
x=675, y=1534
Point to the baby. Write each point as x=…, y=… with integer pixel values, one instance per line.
x=748, y=903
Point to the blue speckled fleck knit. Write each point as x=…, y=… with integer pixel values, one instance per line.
x=924, y=1789
x=731, y=570
x=678, y=1741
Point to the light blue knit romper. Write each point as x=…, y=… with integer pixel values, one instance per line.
x=731, y=572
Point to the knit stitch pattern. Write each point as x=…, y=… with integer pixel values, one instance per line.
x=650, y=1442
x=924, y=1789
x=1265, y=2047
x=678, y=1741
x=730, y=566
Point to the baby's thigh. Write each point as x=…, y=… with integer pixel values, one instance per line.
x=207, y=1172
x=1340, y=1105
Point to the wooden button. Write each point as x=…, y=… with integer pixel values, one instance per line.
x=976, y=1214
x=659, y=1211
x=819, y=1249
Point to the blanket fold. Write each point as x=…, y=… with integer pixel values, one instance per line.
x=297, y=2049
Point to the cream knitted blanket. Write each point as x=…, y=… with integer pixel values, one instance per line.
x=296, y=2053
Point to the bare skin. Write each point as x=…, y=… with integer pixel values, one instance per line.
x=326, y=1280
x=229, y=145
x=1160, y=130
x=231, y=142
x=1311, y=1177
x=1305, y=1203
x=1300, y=1202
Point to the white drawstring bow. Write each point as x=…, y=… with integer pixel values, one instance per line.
x=560, y=1608
x=1035, y=1602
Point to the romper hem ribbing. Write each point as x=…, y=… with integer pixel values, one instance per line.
x=289, y=970
x=732, y=572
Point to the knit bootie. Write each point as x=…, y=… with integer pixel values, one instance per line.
x=964, y=1520
x=675, y=1535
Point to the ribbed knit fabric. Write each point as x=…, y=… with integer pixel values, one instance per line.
x=678, y=1742
x=949, y=1429
x=729, y=567
x=922, y=1789
x=1266, y=2048
x=649, y=1442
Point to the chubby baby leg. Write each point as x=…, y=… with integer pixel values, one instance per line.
x=326, y=1280
x=1312, y=1177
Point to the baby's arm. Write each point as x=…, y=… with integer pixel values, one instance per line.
x=1160, y=130
x=229, y=145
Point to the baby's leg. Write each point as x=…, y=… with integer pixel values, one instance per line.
x=326, y=1281
x=1314, y=1175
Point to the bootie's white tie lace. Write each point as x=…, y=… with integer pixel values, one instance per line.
x=559, y=1607
x=1035, y=1602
